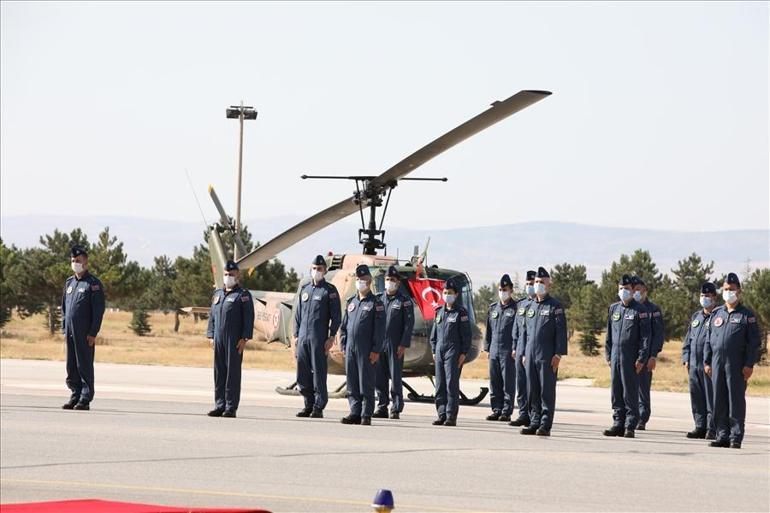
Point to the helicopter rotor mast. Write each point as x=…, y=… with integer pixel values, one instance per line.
x=370, y=236
x=375, y=187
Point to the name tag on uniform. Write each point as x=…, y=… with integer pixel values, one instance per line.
x=628, y=316
x=509, y=313
x=545, y=312
x=736, y=319
x=230, y=300
x=317, y=297
x=366, y=307
x=82, y=289
x=396, y=305
x=451, y=318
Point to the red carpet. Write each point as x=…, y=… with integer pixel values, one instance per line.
x=99, y=506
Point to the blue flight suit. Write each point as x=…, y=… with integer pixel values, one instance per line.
x=701, y=388
x=82, y=308
x=657, y=337
x=519, y=326
x=733, y=343
x=545, y=335
x=231, y=319
x=498, y=342
x=449, y=338
x=399, y=324
x=362, y=332
x=628, y=342
x=316, y=319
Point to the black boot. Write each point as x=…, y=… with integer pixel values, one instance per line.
x=614, y=431
x=504, y=418
x=720, y=443
x=317, y=414
x=82, y=405
x=366, y=421
x=495, y=415
x=230, y=414
x=395, y=415
x=216, y=412
x=351, y=419
x=710, y=435
x=450, y=422
x=439, y=421
x=542, y=431
x=521, y=421
x=70, y=404
x=304, y=413
x=629, y=434
x=381, y=413
x=529, y=430
x=696, y=433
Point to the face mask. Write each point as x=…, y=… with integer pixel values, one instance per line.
x=540, y=289
x=230, y=281
x=361, y=285
x=624, y=295
x=530, y=290
x=391, y=286
x=730, y=296
x=449, y=298
x=77, y=267
x=504, y=295
x=316, y=275
x=637, y=295
x=705, y=301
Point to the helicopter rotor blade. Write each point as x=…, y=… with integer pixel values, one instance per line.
x=298, y=232
x=497, y=112
x=225, y=221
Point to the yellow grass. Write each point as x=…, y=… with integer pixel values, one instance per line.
x=29, y=339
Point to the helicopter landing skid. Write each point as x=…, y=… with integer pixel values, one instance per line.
x=464, y=400
x=338, y=393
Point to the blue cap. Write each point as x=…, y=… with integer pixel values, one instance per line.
x=78, y=250
x=450, y=284
x=505, y=281
x=625, y=280
x=393, y=272
x=531, y=275
x=319, y=260
x=635, y=280
x=363, y=270
x=383, y=499
x=732, y=279
x=542, y=273
x=231, y=266
x=708, y=288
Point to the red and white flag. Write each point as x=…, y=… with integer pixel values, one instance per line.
x=427, y=294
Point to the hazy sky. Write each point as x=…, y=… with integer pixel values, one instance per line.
x=659, y=110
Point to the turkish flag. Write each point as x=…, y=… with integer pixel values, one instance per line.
x=427, y=294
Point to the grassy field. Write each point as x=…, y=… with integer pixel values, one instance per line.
x=29, y=339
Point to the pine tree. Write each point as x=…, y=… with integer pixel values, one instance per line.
x=140, y=322
x=589, y=316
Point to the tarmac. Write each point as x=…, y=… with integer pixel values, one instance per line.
x=147, y=439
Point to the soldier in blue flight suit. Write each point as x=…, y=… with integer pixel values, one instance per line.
x=450, y=341
x=316, y=321
x=362, y=335
x=701, y=389
x=518, y=351
x=626, y=349
x=498, y=342
x=82, y=309
x=657, y=337
x=545, y=342
x=399, y=323
x=231, y=326
x=732, y=349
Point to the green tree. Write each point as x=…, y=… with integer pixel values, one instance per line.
x=689, y=275
x=9, y=258
x=568, y=282
x=640, y=264
x=482, y=298
x=756, y=295
x=140, y=323
x=675, y=306
x=159, y=293
x=588, y=315
x=121, y=278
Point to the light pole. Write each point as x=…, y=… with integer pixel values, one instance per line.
x=239, y=112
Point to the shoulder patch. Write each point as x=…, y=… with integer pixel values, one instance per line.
x=464, y=318
x=379, y=307
x=246, y=298
x=406, y=302
x=656, y=314
x=333, y=295
x=642, y=315
x=95, y=287
x=558, y=311
x=751, y=319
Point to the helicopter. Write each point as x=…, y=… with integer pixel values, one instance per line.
x=273, y=318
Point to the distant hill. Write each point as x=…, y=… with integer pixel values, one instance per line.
x=484, y=252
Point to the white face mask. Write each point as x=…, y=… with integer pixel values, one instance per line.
x=391, y=286
x=230, y=281
x=362, y=285
x=316, y=275
x=450, y=298
x=540, y=289
x=730, y=296
x=77, y=267
x=705, y=301
x=504, y=295
x=637, y=295
x=530, y=290
x=624, y=295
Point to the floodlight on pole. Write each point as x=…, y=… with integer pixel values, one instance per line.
x=239, y=112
